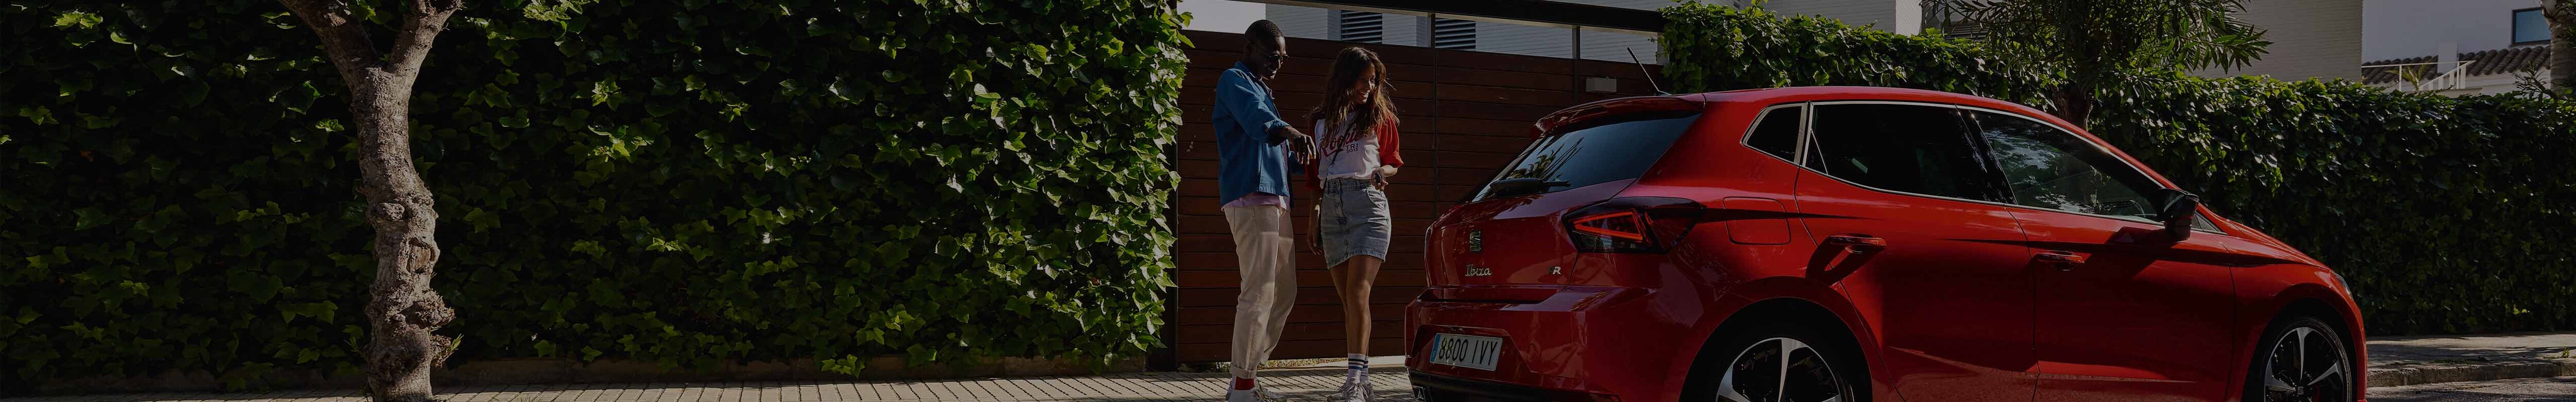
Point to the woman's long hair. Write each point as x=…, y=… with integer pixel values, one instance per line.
x=1354, y=118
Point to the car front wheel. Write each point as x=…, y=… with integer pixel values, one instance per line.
x=2301, y=359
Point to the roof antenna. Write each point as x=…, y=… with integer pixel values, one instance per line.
x=1650, y=75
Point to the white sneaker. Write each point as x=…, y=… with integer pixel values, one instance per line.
x=1256, y=394
x=1355, y=383
x=1354, y=390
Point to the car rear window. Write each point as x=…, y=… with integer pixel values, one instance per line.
x=1605, y=149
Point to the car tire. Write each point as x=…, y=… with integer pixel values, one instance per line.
x=1821, y=368
x=2301, y=359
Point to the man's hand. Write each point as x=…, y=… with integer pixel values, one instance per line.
x=1289, y=133
x=1298, y=140
x=1381, y=177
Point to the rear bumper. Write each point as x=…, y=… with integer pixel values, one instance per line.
x=1580, y=343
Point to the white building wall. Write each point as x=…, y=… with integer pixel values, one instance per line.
x=1614, y=46
x=2393, y=29
x=1221, y=15
x=1880, y=14
x=2310, y=39
x=1498, y=37
x=1504, y=37
x=1301, y=22
x=1405, y=30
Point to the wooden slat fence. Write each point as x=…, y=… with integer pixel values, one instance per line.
x=1465, y=114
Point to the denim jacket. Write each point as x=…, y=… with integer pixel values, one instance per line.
x=1248, y=159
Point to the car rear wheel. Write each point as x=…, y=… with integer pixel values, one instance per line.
x=1778, y=363
x=2301, y=359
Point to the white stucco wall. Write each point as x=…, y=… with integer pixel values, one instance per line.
x=2413, y=28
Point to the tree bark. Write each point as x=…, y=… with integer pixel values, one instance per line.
x=402, y=310
x=2074, y=104
x=2562, y=43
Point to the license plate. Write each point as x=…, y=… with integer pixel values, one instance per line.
x=1470, y=351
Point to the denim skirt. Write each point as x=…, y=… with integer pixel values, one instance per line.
x=1352, y=220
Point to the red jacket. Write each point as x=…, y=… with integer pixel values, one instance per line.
x=1387, y=155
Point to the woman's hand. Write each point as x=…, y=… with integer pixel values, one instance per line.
x=1383, y=172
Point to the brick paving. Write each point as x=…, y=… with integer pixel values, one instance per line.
x=1299, y=385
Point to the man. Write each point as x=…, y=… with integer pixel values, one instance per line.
x=1254, y=152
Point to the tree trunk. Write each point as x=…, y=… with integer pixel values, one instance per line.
x=2562, y=43
x=402, y=310
x=2074, y=104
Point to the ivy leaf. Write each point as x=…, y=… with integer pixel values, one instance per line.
x=78, y=19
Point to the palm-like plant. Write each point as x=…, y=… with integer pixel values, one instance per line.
x=2099, y=40
x=2562, y=43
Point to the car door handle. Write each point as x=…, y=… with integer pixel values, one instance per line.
x=2063, y=260
x=1857, y=243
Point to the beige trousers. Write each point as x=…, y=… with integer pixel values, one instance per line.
x=1266, y=257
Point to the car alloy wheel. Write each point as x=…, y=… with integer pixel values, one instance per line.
x=2306, y=364
x=1781, y=370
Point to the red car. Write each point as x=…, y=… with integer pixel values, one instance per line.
x=1858, y=244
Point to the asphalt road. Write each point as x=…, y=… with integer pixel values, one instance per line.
x=2559, y=389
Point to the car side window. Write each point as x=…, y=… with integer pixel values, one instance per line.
x=1921, y=149
x=1776, y=133
x=2046, y=167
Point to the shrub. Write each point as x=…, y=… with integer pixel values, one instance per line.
x=685, y=182
x=2443, y=213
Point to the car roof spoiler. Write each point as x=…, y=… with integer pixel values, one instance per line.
x=1561, y=118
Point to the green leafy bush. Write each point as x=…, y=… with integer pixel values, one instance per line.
x=1717, y=48
x=2446, y=215
x=686, y=182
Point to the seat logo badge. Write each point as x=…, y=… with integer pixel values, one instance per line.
x=1473, y=270
x=1555, y=270
x=1475, y=241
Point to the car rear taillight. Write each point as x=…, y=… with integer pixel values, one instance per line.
x=1632, y=224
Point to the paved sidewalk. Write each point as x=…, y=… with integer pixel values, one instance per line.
x=1298, y=384
x=2395, y=361
x=2559, y=389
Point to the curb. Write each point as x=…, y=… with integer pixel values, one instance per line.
x=2432, y=373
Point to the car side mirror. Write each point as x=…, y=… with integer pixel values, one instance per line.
x=2178, y=209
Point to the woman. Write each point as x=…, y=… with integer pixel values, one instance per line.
x=1355, y=153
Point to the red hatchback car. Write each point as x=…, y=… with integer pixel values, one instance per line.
x=1858, y=244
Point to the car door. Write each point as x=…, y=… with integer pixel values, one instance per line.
x=1892, y=193
x=2125, y=312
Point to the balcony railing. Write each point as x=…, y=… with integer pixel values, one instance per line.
x=2411, y=76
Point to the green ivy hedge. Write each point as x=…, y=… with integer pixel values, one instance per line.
x=2446, y=215
x=686, y=182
